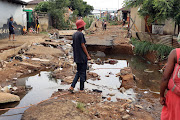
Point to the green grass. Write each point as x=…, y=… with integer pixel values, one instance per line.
x=44, y=32
x=144, y=47
x=81, y=106
x=115, y=23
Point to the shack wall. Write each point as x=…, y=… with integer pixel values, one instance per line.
x=7, y=10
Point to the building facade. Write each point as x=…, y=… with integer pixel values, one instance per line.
x=139, y=24
x=13, y=9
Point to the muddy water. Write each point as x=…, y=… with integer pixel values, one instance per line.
x=148, y=81
x=42, y=88
x=43, y=85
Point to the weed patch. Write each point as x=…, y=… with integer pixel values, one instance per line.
x=144, y=47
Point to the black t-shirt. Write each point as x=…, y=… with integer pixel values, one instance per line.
x=79, y=55
x=37, y=21
x=11, y=25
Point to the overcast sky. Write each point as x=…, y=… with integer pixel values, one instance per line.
x=102, y=4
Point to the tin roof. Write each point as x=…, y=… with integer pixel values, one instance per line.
x=16, y=1
x=124, y=9
x=34, y=2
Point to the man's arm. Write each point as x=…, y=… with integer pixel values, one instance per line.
x=85, y=51
x=167, y=74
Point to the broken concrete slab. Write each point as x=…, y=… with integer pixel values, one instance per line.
x=67, y=32
x=29, y=65
x=100, y=40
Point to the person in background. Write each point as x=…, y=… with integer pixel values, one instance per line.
x=171, y=83
x=81, y=55
x=24, y=30
x=105, y=25
x=37, y=24
x=11, y=29
x=124, y=21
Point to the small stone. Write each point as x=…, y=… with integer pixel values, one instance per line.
x=122, y=89
x=126, y=117
x=107, y=76
x=111, y=94
x=95, y=75
x=129, y=101
x=139, y=106
x=121, y=110
x=109, y=98
x=124, y=105
x=29, y=71
x=6, y=89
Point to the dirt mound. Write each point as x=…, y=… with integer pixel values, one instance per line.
x=55, y=110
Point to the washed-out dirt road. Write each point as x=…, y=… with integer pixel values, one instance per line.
x=56, y=56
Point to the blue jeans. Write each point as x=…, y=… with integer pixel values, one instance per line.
x=81, y=73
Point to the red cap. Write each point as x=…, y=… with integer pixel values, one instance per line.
x=80, y=24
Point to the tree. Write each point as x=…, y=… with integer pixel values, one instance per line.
x=42, y=6
x=57, y=8
x=157, y=10
x=82, y=7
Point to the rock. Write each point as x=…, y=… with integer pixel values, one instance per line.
x=109, y=98
x=7, y=97
x=98, y=61
x=29, y=71
x=111, y=94
x=139, y=106
x=131, y=106
x=129, y=101
x=113, y=61
x=107, y=76
x=126, y=117
x=126, y=71
x=118, y=74
x=100, y=54
x=6, y=89
x=122, y=89
x=128, y=81
x=95, y=75
x=121, y=110
x=124, y=105
x=99, y=78
x=68, y=79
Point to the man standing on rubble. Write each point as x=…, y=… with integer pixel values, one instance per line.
x=11, y=29
x=81, y=55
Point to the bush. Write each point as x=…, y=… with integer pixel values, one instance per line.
x=88, y=21
x=144, y=47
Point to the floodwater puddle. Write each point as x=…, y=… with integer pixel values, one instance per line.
x=43, y=85
x=42, y=88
